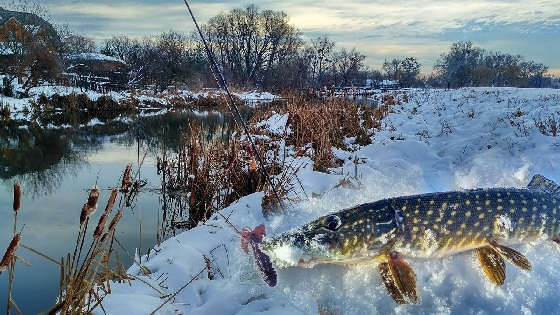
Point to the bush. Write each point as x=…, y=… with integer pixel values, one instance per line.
x=7, y=88
x=4, y=112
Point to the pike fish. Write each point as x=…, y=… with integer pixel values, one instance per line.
x=391, y=231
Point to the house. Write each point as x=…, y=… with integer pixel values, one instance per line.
x=96, y=71
x=27, y=46
x=21, y=27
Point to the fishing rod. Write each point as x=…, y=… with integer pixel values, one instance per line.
x=222, y=83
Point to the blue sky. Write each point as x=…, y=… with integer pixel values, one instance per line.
x=379, y=28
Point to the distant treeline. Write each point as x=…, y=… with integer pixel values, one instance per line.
x=259, y=48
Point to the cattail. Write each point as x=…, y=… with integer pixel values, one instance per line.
x=17, y=197
x=126, y=178
x=10, y=252
x=111, y=201
x=115, y=220
x=104, y=237
x=89, y=208
x=100, y=226
x=103, y=219
x=84, y=214
x=92, y=200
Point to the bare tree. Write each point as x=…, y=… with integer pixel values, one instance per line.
x=467, y=65
x=405, y=70
x=321, y=58
x=122, y=47
x=250, y=44
x=77, y=44
x=457, y=66
x=348, y=65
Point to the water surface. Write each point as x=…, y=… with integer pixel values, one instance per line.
x=56, y=167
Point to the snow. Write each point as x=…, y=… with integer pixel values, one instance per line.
x=456, y=139
x=94, y=122
x=21, y=109
x=255, y=97
x=275, y=125
x=94, y=56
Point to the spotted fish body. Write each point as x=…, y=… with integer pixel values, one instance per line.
x=435, y=225
x=427, y=226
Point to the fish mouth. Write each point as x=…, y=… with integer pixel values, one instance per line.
x=291, y=250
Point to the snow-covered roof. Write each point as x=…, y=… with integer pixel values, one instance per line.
x=94, y=56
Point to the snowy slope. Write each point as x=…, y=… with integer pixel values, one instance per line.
x=438, y=141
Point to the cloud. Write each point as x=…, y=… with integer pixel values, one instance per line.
x=379, y=28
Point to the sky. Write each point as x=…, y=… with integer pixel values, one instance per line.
x=380, y=29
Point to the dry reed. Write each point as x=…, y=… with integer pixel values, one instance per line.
x=85, y=283
x=9, y=256
x=317, y=125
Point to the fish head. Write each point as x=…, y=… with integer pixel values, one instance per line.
x=350, y=235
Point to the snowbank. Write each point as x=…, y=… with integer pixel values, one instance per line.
x=275, y=125
x=438, y=141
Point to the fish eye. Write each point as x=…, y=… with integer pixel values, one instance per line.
x=332, y=222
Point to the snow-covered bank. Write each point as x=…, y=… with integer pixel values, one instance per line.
x=21, y=107
x=437, y=141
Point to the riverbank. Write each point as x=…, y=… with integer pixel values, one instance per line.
x=59, y=106
x=428, y=141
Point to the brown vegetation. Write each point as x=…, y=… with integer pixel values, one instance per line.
x=548, y=126
x=84, y=281
x=317, y=125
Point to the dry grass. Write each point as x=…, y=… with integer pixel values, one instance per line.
x=548, y=126
x=216, y=174
x=318, y=125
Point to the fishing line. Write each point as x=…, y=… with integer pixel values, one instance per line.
x=219, y=77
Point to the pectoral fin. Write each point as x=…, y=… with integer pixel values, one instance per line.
x=493, y=264
x=403, y=276
x=389, y=281
x=512, y=256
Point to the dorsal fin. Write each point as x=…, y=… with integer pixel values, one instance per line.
x=544, y=184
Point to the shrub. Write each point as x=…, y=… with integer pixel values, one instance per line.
x=4, y=112
x=7, y=88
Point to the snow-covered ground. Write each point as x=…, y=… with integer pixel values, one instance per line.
x=438, y=141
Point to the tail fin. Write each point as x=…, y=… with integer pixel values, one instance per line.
x=544, y=184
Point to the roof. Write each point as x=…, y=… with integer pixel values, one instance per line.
x=94, y=57
x=31, y=22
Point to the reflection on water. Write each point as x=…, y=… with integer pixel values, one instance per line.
x=56, y=167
